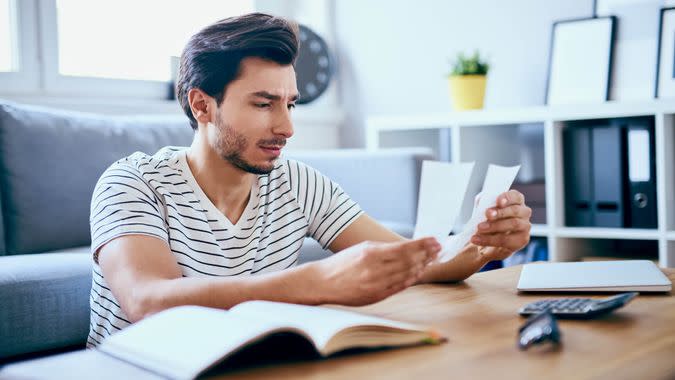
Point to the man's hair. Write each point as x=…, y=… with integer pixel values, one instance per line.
x=212, y=57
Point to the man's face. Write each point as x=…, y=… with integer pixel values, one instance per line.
x=253, y=122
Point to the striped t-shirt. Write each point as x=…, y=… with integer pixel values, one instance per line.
x=158, y=196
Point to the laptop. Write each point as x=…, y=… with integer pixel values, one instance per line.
x=597, y=276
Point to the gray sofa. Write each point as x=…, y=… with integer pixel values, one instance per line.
x=50, y=161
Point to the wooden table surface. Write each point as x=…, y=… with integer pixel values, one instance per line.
x=480, y=319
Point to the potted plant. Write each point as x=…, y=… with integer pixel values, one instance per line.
x=467, y=81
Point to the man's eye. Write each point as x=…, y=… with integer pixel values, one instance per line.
x=263, y=105
x=291, y=106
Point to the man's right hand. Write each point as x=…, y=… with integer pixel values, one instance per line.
x=370, y=271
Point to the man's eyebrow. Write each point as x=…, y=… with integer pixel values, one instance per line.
x=270, y=96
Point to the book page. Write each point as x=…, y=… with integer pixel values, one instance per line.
x=443, y=187
x=497, y=181
x=183, y=341
x=321, y=323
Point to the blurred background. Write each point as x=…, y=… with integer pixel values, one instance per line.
x=392, y=56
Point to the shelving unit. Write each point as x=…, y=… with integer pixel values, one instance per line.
x=487, y=136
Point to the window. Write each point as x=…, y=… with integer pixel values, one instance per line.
x=128, y=39
x=8, y=53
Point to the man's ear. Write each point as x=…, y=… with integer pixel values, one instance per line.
x=202, y=106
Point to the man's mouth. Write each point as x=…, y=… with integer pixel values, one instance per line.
x=272, y=149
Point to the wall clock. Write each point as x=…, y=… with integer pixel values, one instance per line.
x=314, y=66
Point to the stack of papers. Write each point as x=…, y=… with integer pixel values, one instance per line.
x=443, y=189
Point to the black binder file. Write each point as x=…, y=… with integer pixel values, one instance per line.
x=608, y=176
x=610, y=173
x=641, y=172
x=578, y=171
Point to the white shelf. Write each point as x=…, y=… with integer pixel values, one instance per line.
x=607, y=233
x=539, y=230
x=480, y=136
x=521, y=115
x=464, y=119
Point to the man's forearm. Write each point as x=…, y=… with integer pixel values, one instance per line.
x=296, y=285
x=466, y=263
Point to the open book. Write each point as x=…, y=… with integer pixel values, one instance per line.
x=185, y=341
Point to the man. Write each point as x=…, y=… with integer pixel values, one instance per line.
x=222, y=221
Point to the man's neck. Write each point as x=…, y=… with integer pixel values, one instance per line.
x=226, y=186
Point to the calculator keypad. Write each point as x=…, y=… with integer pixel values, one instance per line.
x=560, y=306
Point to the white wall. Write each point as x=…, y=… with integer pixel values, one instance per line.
x=394, y=53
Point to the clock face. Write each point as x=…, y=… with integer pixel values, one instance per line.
x=313, y=67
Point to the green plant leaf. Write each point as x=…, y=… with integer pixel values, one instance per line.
x=472, y=65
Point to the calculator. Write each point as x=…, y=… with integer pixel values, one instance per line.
x=578, y=308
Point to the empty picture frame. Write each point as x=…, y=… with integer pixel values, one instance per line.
x=665, y=59
x=580, y=61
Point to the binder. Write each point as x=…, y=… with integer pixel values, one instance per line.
x=610, y=173
x=577, y=170
x=609, y=176
x=641, y=172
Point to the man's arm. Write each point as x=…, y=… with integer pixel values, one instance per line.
x=506, y=231
x=145, y=278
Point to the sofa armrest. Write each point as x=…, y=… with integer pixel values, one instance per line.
x=44, y=302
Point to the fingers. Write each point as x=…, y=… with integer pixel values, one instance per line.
x=511, y=241
x=494, y=253
x=412, y=269
x=405, y=278
x=504, y=225
x=401, y=264
x=410, y=252
x=401, y=281
x=511, y=197
x=392, y=267
x=513, y=211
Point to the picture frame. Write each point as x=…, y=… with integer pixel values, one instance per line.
x=635, y=48
x=665, y=57
x=580, y=60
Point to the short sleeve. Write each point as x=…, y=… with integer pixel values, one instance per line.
x=123, y=203
x=327, y=207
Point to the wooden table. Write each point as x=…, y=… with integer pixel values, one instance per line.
x=480, y=319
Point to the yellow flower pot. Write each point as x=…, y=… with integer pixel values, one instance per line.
x=467, y=91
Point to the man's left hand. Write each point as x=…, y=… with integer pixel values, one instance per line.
x=507, y=228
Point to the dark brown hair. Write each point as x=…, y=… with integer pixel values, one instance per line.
x=212, y=57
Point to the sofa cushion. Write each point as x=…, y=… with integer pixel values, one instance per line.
x=311, y=250
x=3, y=250
x=384, y=183
x=44, y=301
x=50, y=161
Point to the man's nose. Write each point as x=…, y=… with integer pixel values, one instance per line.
x=283, y=124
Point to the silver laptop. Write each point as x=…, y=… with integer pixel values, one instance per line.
x=596, y=276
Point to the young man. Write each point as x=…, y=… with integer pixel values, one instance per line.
x=222, y=221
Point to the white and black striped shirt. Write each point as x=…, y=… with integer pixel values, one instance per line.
x=158, y=196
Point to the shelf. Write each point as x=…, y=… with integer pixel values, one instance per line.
x=607, y=233
x=610, y=109
x=496, y=116
x=539, y=230
x=520, y=115
x=497, y=136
